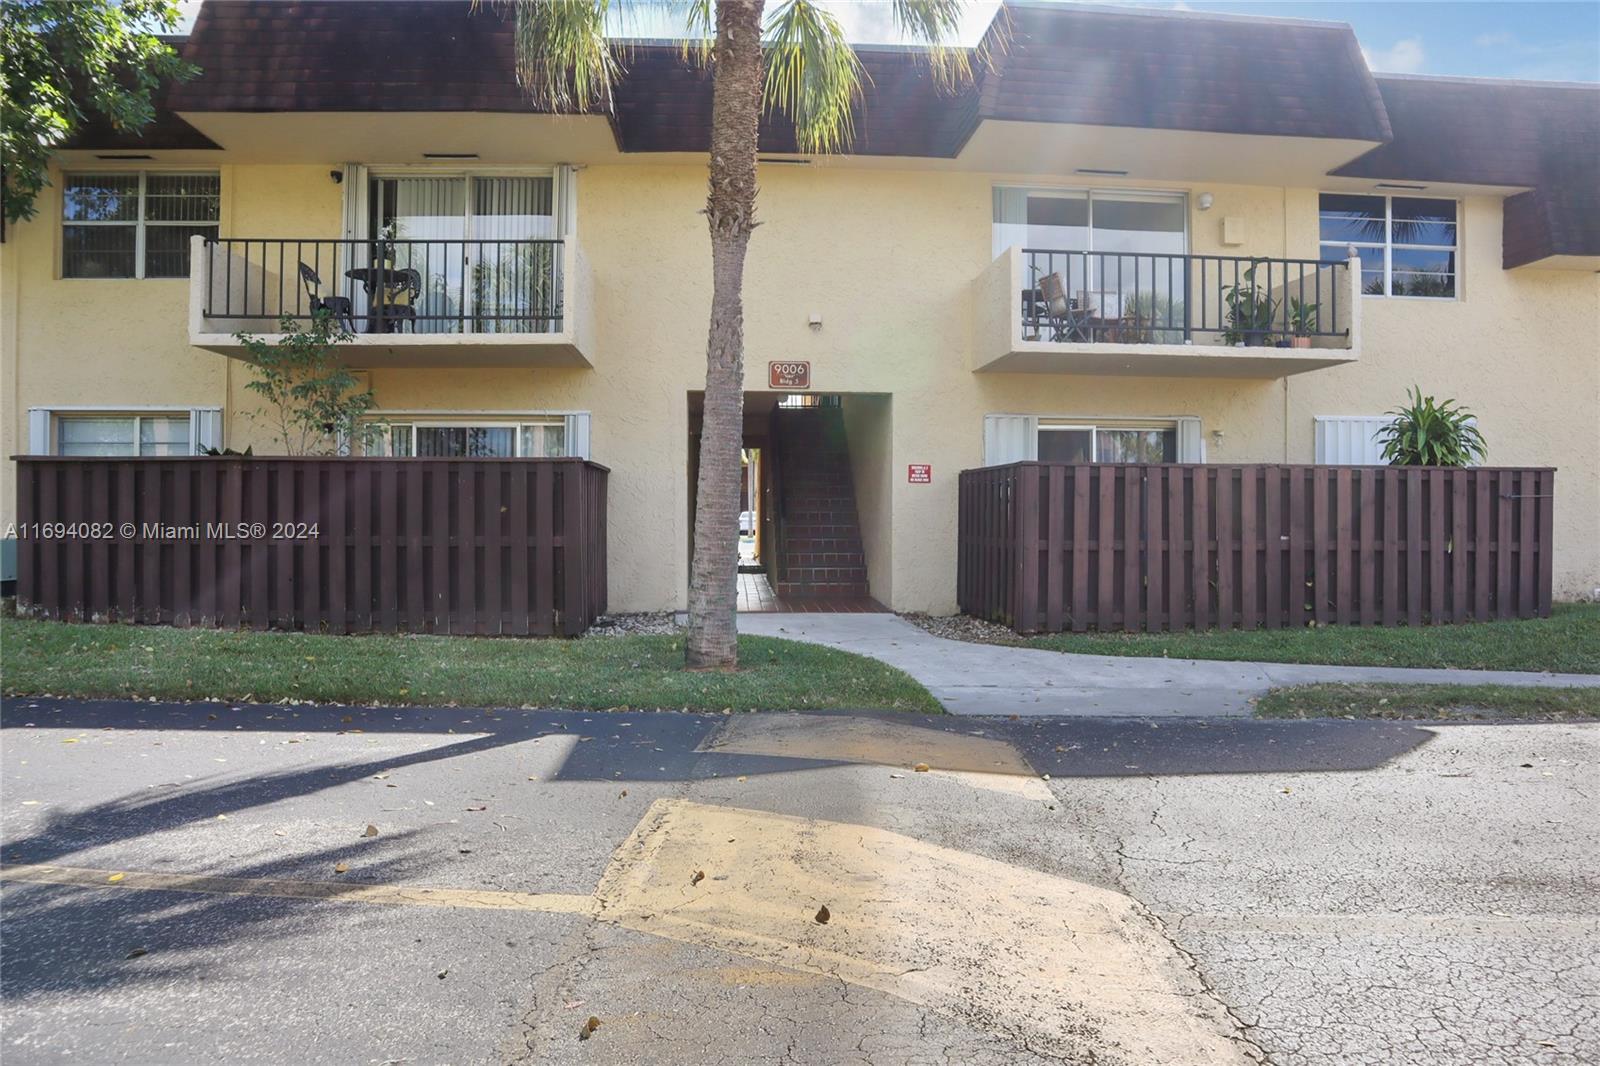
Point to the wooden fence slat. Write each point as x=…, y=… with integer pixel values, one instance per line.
x=1227, y=540
x=1322, y=544
x=1055, y=574
x=1482, y=535
x=415, y=551
x=1272, y=540
x=1344, y=504
x=49, y=592
x=390, y=580
x=1200, y=534
x=1024, y=569
x=1106, y=547
x=1297, y=588
x=1367, y=554
x=521, y=548
x=1502, y=545
x=1080, y=547
x=1547, y=489
x=1413, y=539
x=1155, y=541
x=1251, y=559
x=1437, y=541
x=493, y=512
x=1177, y=572
x=1460, y=595
x=544, y=551
x=1527, y=504
x=256, y=549
x=1390, y=596
x=1132, y=479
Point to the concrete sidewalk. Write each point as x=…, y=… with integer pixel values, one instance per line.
x=991, y=679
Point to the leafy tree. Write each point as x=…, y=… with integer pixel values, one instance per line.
x=314, y=404
x=68, y=60
x=793, y=60
x=1428, y=433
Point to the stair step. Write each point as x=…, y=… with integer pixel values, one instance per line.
x=850, y=591
x=830, y=558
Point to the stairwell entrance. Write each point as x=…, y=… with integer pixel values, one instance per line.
x=801, y=542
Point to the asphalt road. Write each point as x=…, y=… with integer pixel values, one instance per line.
x=1318, y=892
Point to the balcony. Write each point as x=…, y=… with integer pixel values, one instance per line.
x=404, y=303
x=1060, y=311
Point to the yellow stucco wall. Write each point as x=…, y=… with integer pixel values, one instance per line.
x=887, y=259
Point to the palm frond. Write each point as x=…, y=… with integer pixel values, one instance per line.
x=813, y=75
x=564, y=60
x=934, y=23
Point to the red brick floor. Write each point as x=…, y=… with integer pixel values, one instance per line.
x=756, y=596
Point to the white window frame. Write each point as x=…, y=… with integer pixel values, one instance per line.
x=1010, y=438
x=1089, y=192
x=44, y=434
x=576, y=443
x=139, y=223
x=1094, y=426
x=1389, y=245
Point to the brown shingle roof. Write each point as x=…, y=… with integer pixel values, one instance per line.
x=1213, y=74
x=1066, y=66
x=1487, y=132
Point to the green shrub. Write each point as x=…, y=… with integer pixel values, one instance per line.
x=1425, y=432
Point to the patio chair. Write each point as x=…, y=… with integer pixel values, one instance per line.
x=340, y=307
x=1067, y=319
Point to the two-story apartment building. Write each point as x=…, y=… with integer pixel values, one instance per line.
x=1139, y=237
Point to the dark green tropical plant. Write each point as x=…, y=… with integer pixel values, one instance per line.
x=313, y=403
x=1250, y=310
x=1426, y=432
x=1303, y=317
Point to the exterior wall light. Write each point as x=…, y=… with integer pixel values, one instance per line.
x=1206, y=200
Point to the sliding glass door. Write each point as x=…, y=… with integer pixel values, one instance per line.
x=1119, y=255
x=466, y=254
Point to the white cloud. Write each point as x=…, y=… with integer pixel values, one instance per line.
x=1405, y=57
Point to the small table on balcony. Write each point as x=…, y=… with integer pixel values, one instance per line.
x=384, y=286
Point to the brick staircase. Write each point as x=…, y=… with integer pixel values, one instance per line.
x=821, y=553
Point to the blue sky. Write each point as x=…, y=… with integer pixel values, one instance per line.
x=1557, y=41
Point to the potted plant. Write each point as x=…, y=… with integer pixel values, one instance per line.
x=1302, y=322
x=1250, y=311
x=1428, y=433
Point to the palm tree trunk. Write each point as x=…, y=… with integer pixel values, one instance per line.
x=730, y=211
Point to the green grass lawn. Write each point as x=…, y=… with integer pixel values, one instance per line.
x=1429, y=701
x=1566, y=642
x=633, y=672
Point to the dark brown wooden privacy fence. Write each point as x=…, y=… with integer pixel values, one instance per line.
x=466, y=546
x=1054, y=546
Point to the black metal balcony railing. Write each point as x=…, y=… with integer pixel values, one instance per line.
x=1160, y=298
x=386, y=286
